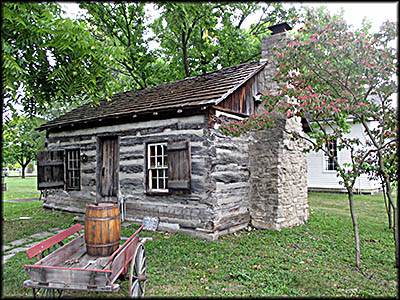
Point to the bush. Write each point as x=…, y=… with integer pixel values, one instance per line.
x=30, y=168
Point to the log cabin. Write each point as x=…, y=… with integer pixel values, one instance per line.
x=158, y=152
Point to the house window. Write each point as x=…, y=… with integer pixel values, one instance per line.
x=157, y=162
x=73, y=172
x=330, y=164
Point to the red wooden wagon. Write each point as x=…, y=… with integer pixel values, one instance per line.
x=69, y=267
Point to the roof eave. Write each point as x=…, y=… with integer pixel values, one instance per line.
x=143, y=112
x=232, y=90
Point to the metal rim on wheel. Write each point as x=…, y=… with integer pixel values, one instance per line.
x=137, y=278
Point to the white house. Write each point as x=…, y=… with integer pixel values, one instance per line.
x=321, y=174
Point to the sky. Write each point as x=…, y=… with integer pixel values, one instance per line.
x=354, y=12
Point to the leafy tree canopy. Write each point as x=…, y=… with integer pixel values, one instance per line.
x=335, y=76
x=21, y=141
x=196, y=38
x=47, y=59
x=50, y=62
x=123, y=27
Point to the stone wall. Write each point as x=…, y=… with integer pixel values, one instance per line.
x=278, y=167
x=278, y=181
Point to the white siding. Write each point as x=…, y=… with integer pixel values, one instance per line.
x=317, y=177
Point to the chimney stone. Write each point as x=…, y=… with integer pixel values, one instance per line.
x=278, y=166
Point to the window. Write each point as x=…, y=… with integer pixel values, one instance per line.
x=59, y=169
x=330, y=164
x=73, y=172
x=169, y=167
x=50, y=168
x=157, y=162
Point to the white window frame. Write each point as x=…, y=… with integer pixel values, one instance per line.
x=327, y=158
x=153, y=170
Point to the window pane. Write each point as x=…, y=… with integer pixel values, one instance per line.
x=159, y=161
x=152, y=161
x=161, y=183
x=159, y=150
x=154, y=183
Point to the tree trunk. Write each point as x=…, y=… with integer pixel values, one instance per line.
x=185, y=63
x=24, y=165
x=391, y=203
x=23, y=170
x=184, y=55
x=387, y=206
x=355, y=224
x=395, y=220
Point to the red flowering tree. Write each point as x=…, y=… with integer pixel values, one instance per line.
x=335, y=76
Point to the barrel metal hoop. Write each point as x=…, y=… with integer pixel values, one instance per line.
x=103, y=219
x=103, y=245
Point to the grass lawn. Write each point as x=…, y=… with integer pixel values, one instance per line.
x=313, y=260
x=20, y=188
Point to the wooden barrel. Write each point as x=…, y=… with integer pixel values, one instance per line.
x=102, y=228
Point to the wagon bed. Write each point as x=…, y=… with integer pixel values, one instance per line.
x=69, y=267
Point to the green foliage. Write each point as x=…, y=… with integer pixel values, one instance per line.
x=52, y=64
x=334, y=76
x=21, y=141
x=196, y=38
x=47, y=59
x=312, y=260
x=30, y=167
x=122, y=28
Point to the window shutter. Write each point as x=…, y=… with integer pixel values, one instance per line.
x=50, y=165
x=179, y=170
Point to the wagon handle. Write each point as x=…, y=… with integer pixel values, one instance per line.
x=123, y=245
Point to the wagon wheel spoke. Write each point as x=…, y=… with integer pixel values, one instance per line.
x=137, y=278
x=141, y=269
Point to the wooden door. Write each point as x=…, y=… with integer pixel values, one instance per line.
x=108, y=169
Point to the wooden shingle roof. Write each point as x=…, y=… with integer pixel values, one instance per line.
x=208, y=89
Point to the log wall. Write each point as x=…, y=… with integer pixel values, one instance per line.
x=230, y=174
x=219, y=176
x=241, y=100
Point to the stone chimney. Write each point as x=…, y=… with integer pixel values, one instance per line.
x=278, y=167
x=265, y=83
x=279, y=32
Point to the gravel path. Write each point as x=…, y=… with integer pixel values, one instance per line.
x=23, y=200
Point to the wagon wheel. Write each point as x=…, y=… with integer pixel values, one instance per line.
x=137, y=277
x=46, y=293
